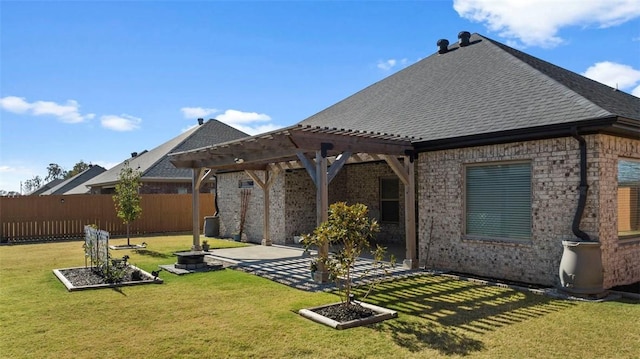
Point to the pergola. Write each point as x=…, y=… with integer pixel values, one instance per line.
x=321, y=151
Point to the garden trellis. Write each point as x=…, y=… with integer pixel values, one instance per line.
x=96, y=246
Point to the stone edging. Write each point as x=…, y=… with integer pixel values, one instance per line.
x=71, y=288
x=381, y=314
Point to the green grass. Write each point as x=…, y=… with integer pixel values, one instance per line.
x=231, y=314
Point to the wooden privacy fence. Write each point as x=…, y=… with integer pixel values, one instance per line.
x=64, y=217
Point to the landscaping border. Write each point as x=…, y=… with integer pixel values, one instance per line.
x=72, y=288
x=381, y=314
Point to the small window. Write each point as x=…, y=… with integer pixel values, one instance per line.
x=498, y=201
x=628, y=198
x=245, y=184
x=183, y=190
x=389, y=200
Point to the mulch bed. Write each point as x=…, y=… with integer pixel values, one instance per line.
x=345, y=312
x=86, y=276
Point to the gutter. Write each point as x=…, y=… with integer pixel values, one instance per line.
x=609, y=125
x=583, y=188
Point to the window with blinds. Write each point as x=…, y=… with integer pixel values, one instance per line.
x=389, y=200
x=498, y=201
x=628, y=198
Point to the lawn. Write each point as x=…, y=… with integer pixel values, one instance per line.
x=231, y=314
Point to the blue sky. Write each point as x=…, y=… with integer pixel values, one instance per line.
x=95, y=81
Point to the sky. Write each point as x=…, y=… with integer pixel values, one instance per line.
x=97, y=80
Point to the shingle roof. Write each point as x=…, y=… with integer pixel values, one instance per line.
x=45, y=187
x=155, y=165
x=75, y=184
x=483, y=88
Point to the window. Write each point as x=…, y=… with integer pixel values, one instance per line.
x=245, y=184
x=628, y=198
x=389, y=200
x=498, y=201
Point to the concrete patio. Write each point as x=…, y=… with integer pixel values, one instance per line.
x=289, y=265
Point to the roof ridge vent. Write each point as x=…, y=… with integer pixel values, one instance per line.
x=443, y=45
x=464, y=36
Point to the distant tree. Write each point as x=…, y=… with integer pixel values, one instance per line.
x=77, y=168
x=127, y=197
x=33, y=184
x=54, y=171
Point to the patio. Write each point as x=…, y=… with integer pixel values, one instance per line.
x=289, y=265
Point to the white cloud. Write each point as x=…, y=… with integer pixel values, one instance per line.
x=536, y=23
x=68, y=113
x=252, y=123
x=233, y=117
x=255, y=130
x=387, y=65
x=14, y=104
x=122, y=123
x=197, y=112
x=616, y=75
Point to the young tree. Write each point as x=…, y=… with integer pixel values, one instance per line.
x=348, y=230
x=127, y=197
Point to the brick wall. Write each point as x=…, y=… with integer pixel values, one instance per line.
x=229, y=205
x=293, y=202
x=363, y=186
x=358, y=183
x=555, y=178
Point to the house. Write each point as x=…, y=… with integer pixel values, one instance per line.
x=45, y=187
x=479, y=159
x=75, y=184
x=158, y=175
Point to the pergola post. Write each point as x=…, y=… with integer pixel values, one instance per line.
x=406, y=173
x=195, y=208
x=411, y=259
x=266, y=185
x=199, y=175
x=322, y=207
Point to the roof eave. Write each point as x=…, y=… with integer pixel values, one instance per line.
x=614, y=125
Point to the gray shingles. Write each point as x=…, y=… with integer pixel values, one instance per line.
x=154, y=164
x=483, y=88
x=76, y=184
x=210, y=133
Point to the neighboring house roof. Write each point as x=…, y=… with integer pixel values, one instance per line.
x=154, y=165
x=480, y=89
x=75, y=184
x=45, y=187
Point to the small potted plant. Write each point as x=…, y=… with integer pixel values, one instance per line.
x=313, y=267
x=205, y=245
